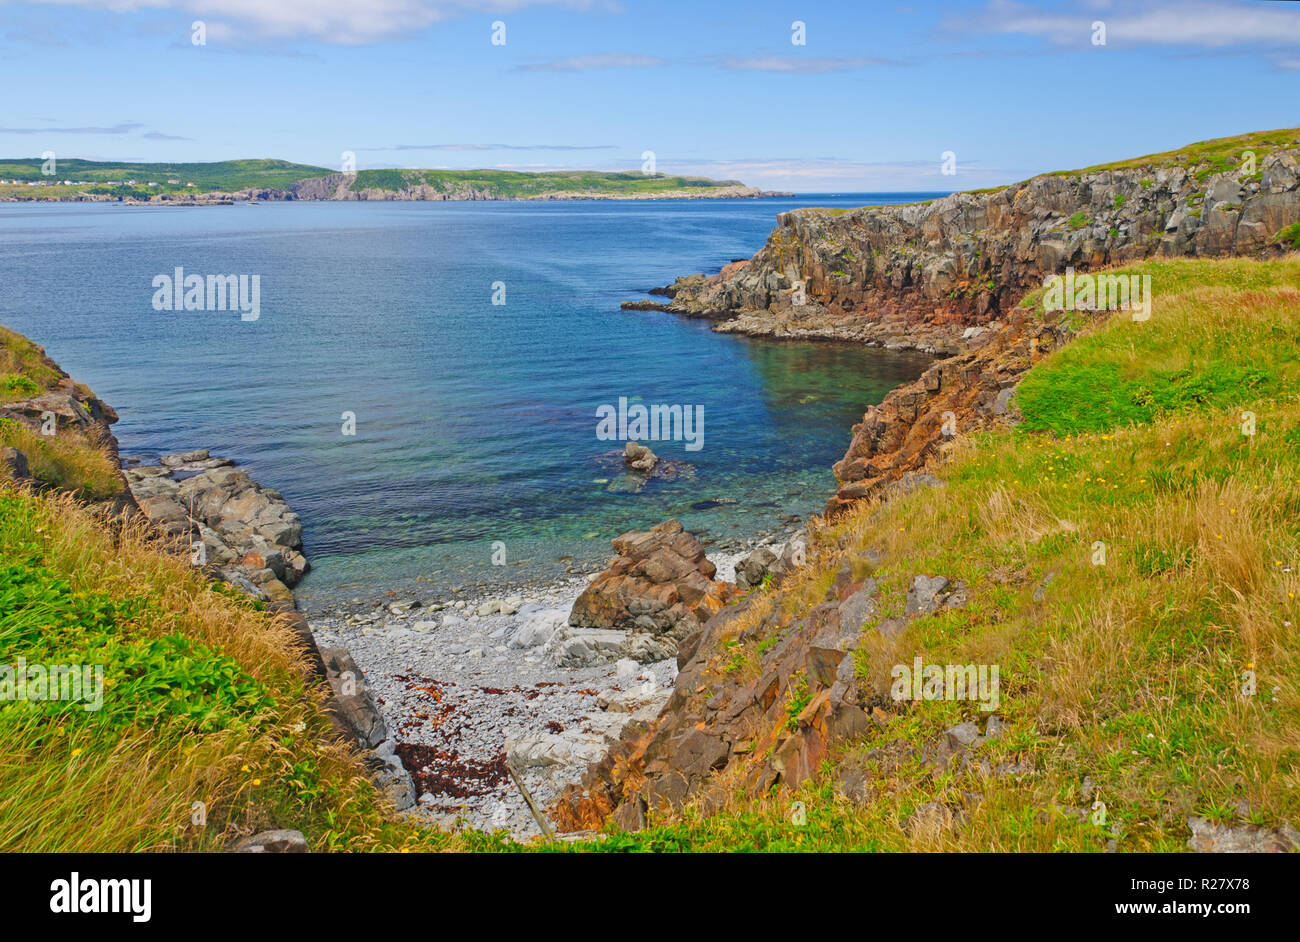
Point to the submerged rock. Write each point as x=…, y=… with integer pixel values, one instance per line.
x=639, y=458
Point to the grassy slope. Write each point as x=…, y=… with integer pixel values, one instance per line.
x=1219, y=153
x=1127, y=673
x=70, y=460
x=223, y=175
x=203, y=701
x=1216, y=155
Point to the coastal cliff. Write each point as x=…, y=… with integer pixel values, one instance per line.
x=946, y=276
x=920, y=275
x=1118, y=468
x=231, y=181
x=1060, y=634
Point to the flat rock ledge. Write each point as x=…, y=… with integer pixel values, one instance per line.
x=236, y=530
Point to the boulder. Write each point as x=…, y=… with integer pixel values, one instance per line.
x=639, y=458
x=538, y=628
x=1209, y=837
x=273, y=842
x=13, y=462
x=355, y=707
x=928, y=594
x=585, y=647
x=751, y=570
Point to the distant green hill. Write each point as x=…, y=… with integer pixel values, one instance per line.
x=510, y=184
x=225, y=175
x=79, y=179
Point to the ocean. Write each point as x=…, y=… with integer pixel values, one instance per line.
x=428, y=436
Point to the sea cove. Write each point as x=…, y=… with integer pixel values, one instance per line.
x=476, y=455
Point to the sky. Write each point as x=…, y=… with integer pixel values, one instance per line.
x=873, y=98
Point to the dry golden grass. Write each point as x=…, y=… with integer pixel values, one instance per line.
x=72, y=460
x=87, y=788
x=1128, y=674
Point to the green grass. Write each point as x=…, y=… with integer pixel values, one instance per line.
x=1127, y=673
x=14, y=387
x=1216, y=155
x=203, y=701
x=24, y=369
x=1289, y=236
x=1132, y=374
x=222, y=176
x=73, y=460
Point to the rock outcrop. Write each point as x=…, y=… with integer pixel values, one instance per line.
x=919, y=275
x=751, y=570
x=778, y=725
x=342, y=186
x=67, y=406
x=639, y=458
x=945, y=277
x=659, y=589
x=661, y=582
x=897, y=438
x=238, y=531
x=66, y=409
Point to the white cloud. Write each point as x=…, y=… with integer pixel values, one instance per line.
x=607, y=60
x=1210, y=24
x=830, y=174
x=810, y=65
x=341, y=22
x=125, y=127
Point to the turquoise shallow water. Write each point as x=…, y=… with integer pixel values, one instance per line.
x=475, y=423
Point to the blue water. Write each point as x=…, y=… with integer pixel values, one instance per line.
x=475, y=423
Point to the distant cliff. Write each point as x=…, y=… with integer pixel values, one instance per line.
x=449, y=185
x=29, y=179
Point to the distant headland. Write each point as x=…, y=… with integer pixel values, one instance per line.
x=230, y=181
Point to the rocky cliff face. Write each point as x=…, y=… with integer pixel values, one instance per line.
x=945, y=276
x=920, y=275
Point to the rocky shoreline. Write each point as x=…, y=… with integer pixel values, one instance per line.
x=451, y=694
x=472, y=688
x=235, y=530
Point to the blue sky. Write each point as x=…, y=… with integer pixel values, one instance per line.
x=871, y=101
